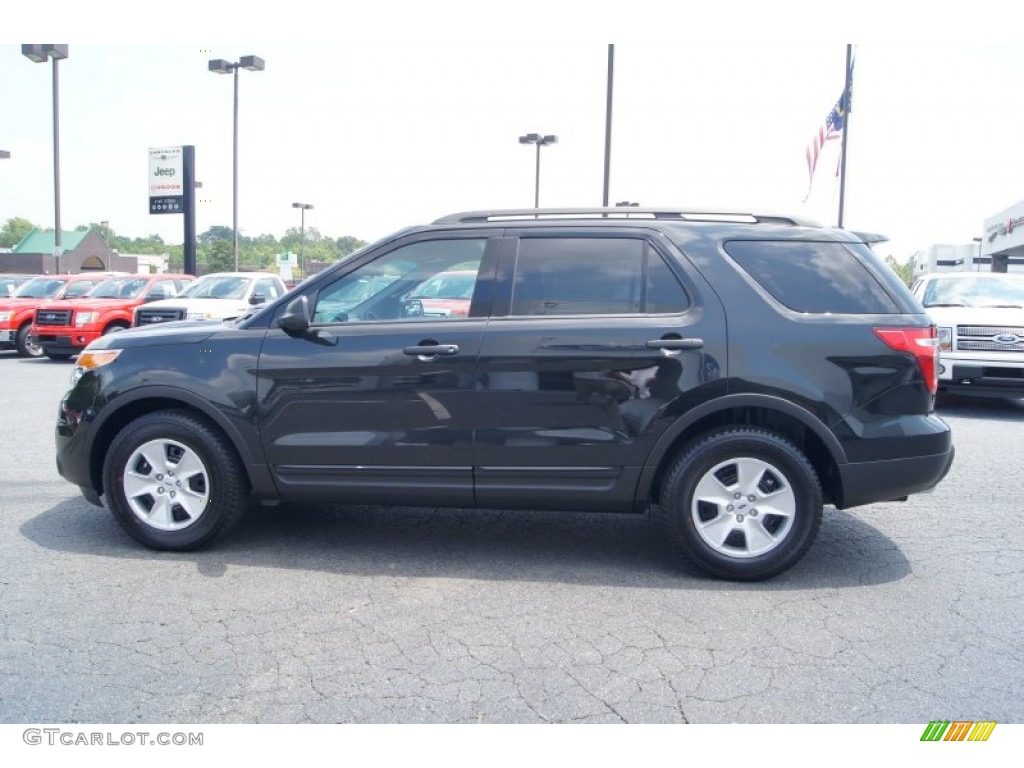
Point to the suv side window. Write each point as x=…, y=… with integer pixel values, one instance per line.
x=268, y=288
x=593, y=276
x=812, y=277
x=425, y=280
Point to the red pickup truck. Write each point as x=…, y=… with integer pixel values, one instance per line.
x=18, y=311
x=65, y=328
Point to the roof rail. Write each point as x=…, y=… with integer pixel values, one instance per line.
x=619, y=212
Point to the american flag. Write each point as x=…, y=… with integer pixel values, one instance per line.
x=832, y=129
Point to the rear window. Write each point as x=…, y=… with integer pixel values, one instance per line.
x=816, y=278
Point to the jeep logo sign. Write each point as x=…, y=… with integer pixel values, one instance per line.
x=166, y=190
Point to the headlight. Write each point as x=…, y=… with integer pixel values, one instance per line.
x=946, y=339
x=89, y=360
x=84, y=318
x=5, y=316
x=198, y=316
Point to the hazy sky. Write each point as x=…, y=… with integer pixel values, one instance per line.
x=380, y=135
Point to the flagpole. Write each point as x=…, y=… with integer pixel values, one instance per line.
x=846, y=129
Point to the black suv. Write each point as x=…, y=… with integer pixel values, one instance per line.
x=733, y=371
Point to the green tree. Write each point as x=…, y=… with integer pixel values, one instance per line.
x=14, y=231
x=219, y=256
x=905, y=270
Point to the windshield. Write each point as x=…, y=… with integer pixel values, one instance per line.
x=40, y=288
x=223, y=287
x=975, y=292
x=120, y=288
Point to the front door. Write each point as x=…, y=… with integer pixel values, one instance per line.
x=382, y=412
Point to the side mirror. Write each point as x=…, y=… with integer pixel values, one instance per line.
x=257, y=298
x=296, y=319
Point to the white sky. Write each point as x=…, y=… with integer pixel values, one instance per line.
x=384, y=126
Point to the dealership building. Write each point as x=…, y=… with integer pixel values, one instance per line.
x=999, y=249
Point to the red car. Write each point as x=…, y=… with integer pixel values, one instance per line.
x=446, y=294
x=17, y=312
x=64, y=329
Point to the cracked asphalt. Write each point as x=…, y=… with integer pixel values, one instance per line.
x=901, y=613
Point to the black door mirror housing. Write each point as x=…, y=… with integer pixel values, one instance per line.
x=296, y=319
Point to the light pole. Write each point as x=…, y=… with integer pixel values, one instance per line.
x=977, y=258
x=110, y=253
x=39, y=53
x=222, y=67
x=540, y=141
x=302, y=235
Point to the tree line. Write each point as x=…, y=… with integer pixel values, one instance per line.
x=213, y=247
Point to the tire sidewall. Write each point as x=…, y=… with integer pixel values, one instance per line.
x=22, y=343
x=195, y=437
x=724, y=446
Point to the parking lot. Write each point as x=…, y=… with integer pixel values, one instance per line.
x=902, y=612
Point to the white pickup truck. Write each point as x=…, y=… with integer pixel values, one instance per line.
x=217, y=296
x=980, y=320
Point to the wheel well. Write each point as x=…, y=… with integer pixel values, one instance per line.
x=117, y=324
x=129, y=413
x=777, y=422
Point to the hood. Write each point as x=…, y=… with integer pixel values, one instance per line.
x=215, y=309
x=1002, y=316
x=184, y=332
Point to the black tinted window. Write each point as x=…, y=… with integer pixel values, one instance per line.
x=588, y=276
x=812, y=277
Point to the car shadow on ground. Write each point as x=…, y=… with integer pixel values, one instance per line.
x=575, y=548
x=977, y=407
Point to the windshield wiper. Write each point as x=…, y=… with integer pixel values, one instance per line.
x=1001, y=306
x=945, y=305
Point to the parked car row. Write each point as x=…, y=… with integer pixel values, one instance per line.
x=59, y=315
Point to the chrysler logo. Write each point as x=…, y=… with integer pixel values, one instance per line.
x=1007, y=338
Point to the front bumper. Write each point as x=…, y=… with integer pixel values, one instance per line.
x=982, y=377
x=64, y=340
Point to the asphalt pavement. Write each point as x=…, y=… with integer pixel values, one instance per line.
x=901, y=613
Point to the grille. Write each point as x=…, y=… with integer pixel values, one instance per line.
x=150, y=316
x=982, y=338
x=53, y=317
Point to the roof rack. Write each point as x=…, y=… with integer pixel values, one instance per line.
x=619, y=212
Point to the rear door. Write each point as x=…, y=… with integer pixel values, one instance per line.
x=598, y=339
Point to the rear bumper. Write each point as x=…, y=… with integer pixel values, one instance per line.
x=891, y=479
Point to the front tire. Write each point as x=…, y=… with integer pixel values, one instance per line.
x=173, y=482
x=742, y=503
x=26, y=343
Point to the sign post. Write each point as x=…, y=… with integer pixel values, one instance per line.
x=172, y=189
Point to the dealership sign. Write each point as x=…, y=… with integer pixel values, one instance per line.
x=166, y=180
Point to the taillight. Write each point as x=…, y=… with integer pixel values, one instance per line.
x=922, y=343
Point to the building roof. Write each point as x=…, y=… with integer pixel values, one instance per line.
x=42, y=242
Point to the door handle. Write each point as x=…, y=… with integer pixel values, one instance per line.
x=675, y=344
x=432, y=350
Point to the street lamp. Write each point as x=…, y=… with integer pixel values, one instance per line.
x=302, y=235
x=540, y=141
x=39, y=53
x=222, y=67
x=977, y=259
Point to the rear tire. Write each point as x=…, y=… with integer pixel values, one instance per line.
x=742, y=503
x=173, y=482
